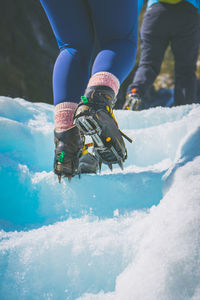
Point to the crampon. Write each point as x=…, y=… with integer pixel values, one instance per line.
x=72, y=156
x=94, y=117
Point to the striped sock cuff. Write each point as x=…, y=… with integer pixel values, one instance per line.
x=105, y=78
x=64, y=115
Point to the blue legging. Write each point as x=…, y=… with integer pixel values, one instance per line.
x=76, y=24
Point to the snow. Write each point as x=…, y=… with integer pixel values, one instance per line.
x=122, y=235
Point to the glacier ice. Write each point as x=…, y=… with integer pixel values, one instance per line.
x=131, y=234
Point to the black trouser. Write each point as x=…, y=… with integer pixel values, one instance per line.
x=165, y=24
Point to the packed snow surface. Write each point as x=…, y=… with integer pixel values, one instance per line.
x=121, y=235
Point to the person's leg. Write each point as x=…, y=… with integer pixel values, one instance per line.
x=185, y=43
x=73, y=30
x=70, y=21
x=154, y=41
x=72, y=27
x=116, y=29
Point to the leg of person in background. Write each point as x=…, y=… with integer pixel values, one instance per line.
x=185, y=44
x=116, y=28
x=72, y=26
x=154, y=41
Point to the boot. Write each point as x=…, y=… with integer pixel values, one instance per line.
x=133, y=101
x=70, y=159
x=94, y=117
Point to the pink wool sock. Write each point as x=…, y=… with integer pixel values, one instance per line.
x=105, y=78
x=64, y=115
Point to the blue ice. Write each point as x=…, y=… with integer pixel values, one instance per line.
x=122, y=235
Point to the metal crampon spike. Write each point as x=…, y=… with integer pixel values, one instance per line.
x=79, y=173
x=59, y=178
x=120, y=163
x=100, y=165
x=110, y=167
x=69, y=178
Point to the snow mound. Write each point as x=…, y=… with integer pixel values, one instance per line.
x=131, y=234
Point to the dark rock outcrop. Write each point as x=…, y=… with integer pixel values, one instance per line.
x=28, y=51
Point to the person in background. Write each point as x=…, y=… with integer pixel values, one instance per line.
x=165, y=22
x=84, y=86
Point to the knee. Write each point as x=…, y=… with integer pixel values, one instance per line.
x=77, y=53
x=74, y=52
x=185, y=71
x=78, y=49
